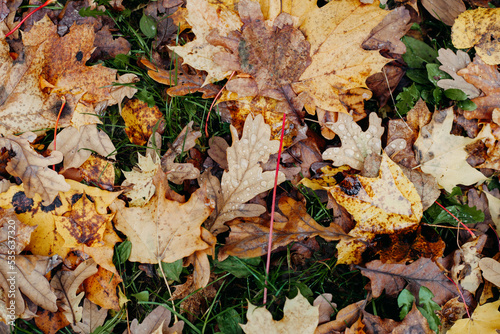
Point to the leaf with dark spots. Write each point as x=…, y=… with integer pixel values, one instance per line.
x=55, y=204
x=21, y=203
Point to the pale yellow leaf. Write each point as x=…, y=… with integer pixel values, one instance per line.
x=141, y=180
x=299, y=317
x=484, y=320
x=491, y=270
x=452, y=63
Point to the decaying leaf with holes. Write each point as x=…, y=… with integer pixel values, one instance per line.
x=53, y=67
x=384, y=205
x=244, y=180
x=163, y=229
x=356, y=144
x=451, y=64
x=299, y=317
x=465, y=269
x=77, y=145
x=141, y=180
x=443, y=155
x=249, y=238
x=178, y=172
x=479, y=28
x=66, y=284
x=141, y=120
x=32, y=168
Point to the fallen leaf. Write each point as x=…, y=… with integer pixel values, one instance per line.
x=203, y=17
x=217, y=151
x=487, y=79
x=344, y=319
x=66, y=283
x=77, y=145
x=99, y=172
x=100, y=289
x=451, y=64
x=425, y=184
x=394, y=277
x=453, y=310
x=108, y=47
x=494, y=208
x=121, y=90
x=164, y=230
x=141, y=180
x=141, y=121
x=183, y=80
x=50, y=322
x=356, y=144
x=92, y=318
x=249, y=238
x=375, y=324
x=444, y=10
x=490, y=269
x=244, y=179
x=325, y=306
x=178, y=172
x=387, y=204
x=465, y=269
x=32, y=167
x=156, y=322
x=478, y=28
x=443, y=155
x=485, y=319
x=299, y=317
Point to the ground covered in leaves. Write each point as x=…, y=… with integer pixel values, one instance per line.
x=139, y=153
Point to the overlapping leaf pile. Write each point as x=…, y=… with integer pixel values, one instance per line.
x=280, y=58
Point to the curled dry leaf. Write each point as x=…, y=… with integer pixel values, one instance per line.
x=344, y=319
x=244, y=180
x=163, y=229
x=299, y=317
x=92, y=318
x=27, y=271
x=356, y=144
x=78, y=144
x=178, y=172
x=479, y=28
x=384, y=205
x=249, y=238
x=451, y=64
x=394, y=277
x=32, y=168
x=141, y=180
x=490, y=269
x=156, y=322
x=66, y=284
x=443, y=155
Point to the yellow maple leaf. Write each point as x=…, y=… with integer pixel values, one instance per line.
x=163, y=229
x=485, y=319
x=383, y=205
x=299, y=317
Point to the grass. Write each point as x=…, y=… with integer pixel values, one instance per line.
x=237, y=281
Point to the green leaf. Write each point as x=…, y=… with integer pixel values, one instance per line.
x=238, y=267
x=418, y=53
x=229, y=322
x=148, y=26
x=467, y=105
x=428, y=307
x=435, y=74
x=466, y=214
x=122, y=252
x=407, y=99
x=418, y=76
x=437, y=94
x=304, y=291
x=145, y=96
x=455, y=94
x=87, y=12
x=405, y=301
x=172, y=270
x=142, y=296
